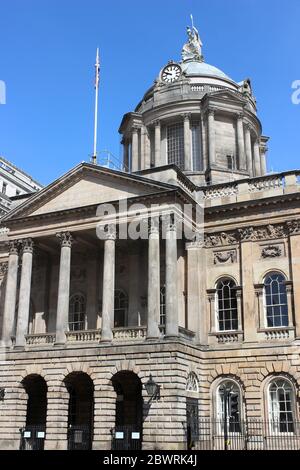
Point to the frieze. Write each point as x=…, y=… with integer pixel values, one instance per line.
x=251, y=233
x=3, y=268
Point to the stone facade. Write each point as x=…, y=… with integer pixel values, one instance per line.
x=115, y=311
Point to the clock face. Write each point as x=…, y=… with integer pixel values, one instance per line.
x=171, y=73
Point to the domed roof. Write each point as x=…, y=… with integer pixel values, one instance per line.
x=195, y=67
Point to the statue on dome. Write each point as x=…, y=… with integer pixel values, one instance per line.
x=192, y=50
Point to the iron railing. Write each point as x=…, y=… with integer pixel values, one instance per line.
x=253, y=434
x=126, y=438
x=79, y=437
x=32, y=437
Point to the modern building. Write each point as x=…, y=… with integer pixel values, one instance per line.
x=164, y=341
x=15, y=186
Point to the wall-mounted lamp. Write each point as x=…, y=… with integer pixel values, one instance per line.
x=152, y=388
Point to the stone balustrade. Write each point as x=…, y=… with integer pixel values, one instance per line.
x=83, y=336
x=245, y=189
x=129, y=333
x=40, y=339
x=274, y=334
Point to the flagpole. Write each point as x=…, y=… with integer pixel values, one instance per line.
x=97, y=67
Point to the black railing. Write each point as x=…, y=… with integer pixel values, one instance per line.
x=79, y=437
x=126, y=438
x=253, y=434
x=32, y=437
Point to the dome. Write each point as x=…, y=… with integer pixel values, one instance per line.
x=196, y=68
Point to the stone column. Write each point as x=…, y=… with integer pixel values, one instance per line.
x=249, y=150
x=171, y=280
x=125, y=154
x=211, y=294
x=135, y=150
x=263, y=160
x=241, y=142
x=63, y=300
x=153, y=281
x=147, y=150
x=211, y=137
x=187, y=142
x=257, y=158
x=24, y=293
x=108, y=292
x=10, y=294
x=157, y=143
x=194, y=275
x=294, y=229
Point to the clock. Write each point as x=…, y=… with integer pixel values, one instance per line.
x=171, y=73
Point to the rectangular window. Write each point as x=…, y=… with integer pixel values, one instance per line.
x=175, y=142
x=230, y=162
x=4, y=187
x=196, y=146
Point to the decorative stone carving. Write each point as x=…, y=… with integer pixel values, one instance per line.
x=193, y=48
x=65, y=238
x=223, y=238
x=13, y=247
x=293, y=227
x=271, y=251
x=3, y=269
x=225, y=256
x=223, y=191
x=27, y=245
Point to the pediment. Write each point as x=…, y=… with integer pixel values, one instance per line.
x=227, y=95
x=86, y=185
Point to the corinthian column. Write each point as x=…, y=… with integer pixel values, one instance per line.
x=108, y=294
x=10, y=294
x=24, y=294
x=257, y=158
x=187, y=142
x=241, y=142
x=134, y=150
x=153, y=281
x=249, y=150
x=157, y=142
x=171, y=281
x=62, y=316
x=211, y=137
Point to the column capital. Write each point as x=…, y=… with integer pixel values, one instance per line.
x=186, y=116
x=169, y=222
x=153, y=225
x=111, y=233
x=211, y=112
x=240, y=116
x=156, y=122
x=27, y=245
x=135, y=129
x=248, y=127
x=13, y=247
x=65, y=238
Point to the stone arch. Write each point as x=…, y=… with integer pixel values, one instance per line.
x=215, y=385
x=288, y=377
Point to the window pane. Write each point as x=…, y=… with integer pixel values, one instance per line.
x=175, y=144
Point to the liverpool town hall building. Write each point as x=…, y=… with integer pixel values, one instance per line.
x=165, y=341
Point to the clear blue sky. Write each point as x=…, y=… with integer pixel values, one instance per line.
x=47, y=54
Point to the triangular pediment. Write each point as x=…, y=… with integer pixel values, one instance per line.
x=227, y=95
x=86, y=185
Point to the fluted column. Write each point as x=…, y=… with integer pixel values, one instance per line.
x=187, y=142
x=108, y=293
x=10, y=294
x=171, y=280
x=157, y=142
x=241, y=142
x=24, y=293
x=62, y=316
x=211, y=137
x=135, y=150
x=125, y=154
x=263, y=160
x=257, y=158
x=248, y=150
x=153, y=281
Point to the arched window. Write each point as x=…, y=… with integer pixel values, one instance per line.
x=281, y=406
x=192, y=383
x=228, y=406
x=227, y=313
x=77, y=312
x=276, y=306
x=121, y=308
x=162, y=318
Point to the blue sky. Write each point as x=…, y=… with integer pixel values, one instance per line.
x=47, y=54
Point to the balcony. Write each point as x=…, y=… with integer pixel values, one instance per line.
x=40, y=339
